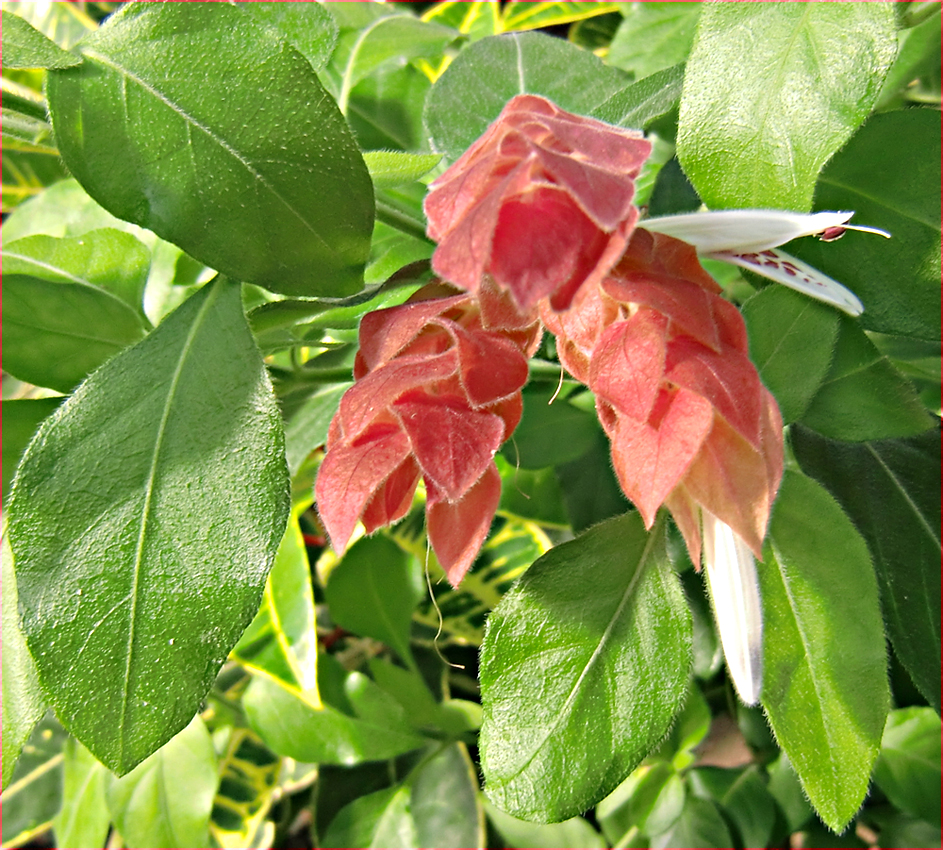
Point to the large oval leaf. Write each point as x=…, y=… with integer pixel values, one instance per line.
x=586, y=657
x=146, y=514
x=243, y=160
x=825, y=681
x=772, y=90
x=891, y=490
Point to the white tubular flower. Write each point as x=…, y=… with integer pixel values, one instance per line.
x=734, y=588
x=749, y=239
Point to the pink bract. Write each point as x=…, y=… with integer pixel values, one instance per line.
x=541, y=203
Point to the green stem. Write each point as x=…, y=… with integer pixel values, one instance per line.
x=402, y=221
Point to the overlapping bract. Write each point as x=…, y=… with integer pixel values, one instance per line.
x=437, y=393
x=691, y=425
x=542, y=203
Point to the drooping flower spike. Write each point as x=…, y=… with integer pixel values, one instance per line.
x=749, y=239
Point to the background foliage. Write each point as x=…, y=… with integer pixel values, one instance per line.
x=179, y=670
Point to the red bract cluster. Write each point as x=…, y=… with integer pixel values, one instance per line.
x=692, y=427
x=542, y=203
x=437, y=393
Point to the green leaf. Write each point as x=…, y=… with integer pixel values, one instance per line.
x=549, y=434
x=918, y=54
x=863, y=397
x=590, y=489
x=575, y=832
x=84, y=818
x=792, y=341
x=393, y=168
x=897, y=279
x=283, y=201
x=23, y=701
x=639, y=104
x=530, y=16
x=113, y=603
x=26, y=132
x=653, y=36
x=106, y=258
x=474, y=20
x=772, y=90
x=167, y=799
x=380, y=819
x=359, y=721
x=445, y=805
x=487, y=74
x=307, y=428
x=34, y=795
x=64, y=23
x=787, y=791
x=282, y=641
x=908, y=768
x=372, y=592
x=26, y=47
x=392, y=250
x=57, y=333
x=387, y=41
x=308, y=27
x=700, y=825
x=648, y=802
x=535, y=495
x=743, y=797
x=589, y=653
x=891, y=491
x=385, y=109
x=825, y=681
x=21, y=418
x=26, y=173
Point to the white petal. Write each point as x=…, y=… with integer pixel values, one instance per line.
x=791, y=272
x=742, y=231
x=731, y=576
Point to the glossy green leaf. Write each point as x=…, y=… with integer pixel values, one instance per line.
x=648, y=802
x=167, y=799
x=377, y=820
x=359, y=721
x=891, y=491
x=385, y=109
x=575, y=832
x=653, y=36
x=528, y=16
x=588, y=653
x=387, y=41
x=549, y=434
x=639, y=104
x=33, y=797
x=445, y=805
x=393, y=168
x=742, y=795
x=307, y=428
x=282, y=642
x=863, y=397
x=283, y=201
x=889, y=173
x=700, y=825
x=372, y=592
x=908, y=768
x=84, y=818
x=106, y=258
x=772, y=90
x=487, y=74
x=590, y=489
x=825, y=685
x=26, y=47
x=792, y=342
x=57, y=333
x=21, y=418
x=23, y=701
x=308, y=27
x=130, y=624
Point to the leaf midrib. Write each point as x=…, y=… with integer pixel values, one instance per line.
x=149, y=489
